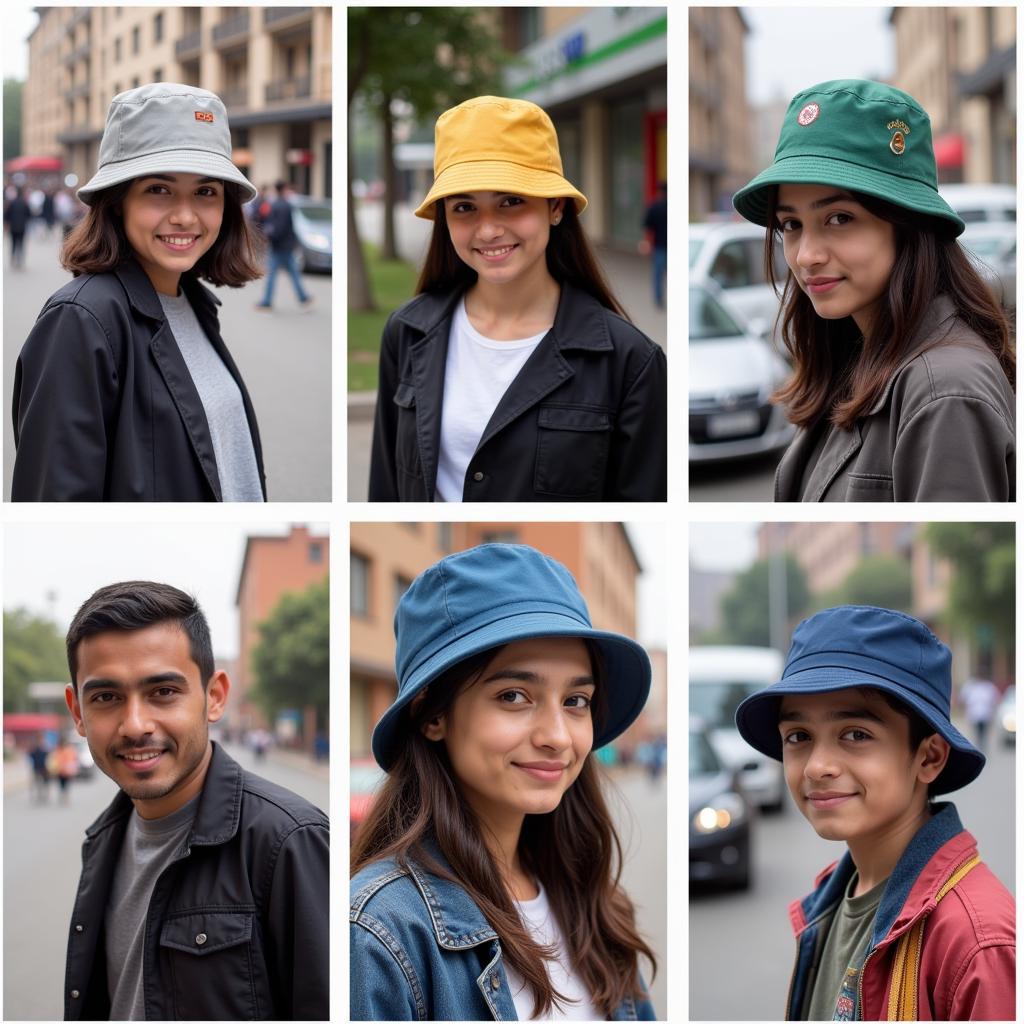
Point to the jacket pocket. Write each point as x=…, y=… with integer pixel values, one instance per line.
x=572, y=451
x=869, y=487
x=407, y=449
x=209, y=957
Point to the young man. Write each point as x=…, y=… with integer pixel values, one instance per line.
x=204, y=888
x=909, y=925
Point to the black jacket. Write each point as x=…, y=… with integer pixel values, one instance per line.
x=104, y=406
x=252, y=878
x=279, y=227
x=585, y=419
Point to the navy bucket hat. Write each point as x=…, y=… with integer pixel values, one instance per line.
x=491, y=595
x=856, y=645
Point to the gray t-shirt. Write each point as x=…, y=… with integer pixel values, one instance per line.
x=148, y=847
x=222, y=403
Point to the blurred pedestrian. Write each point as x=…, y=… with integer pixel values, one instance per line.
x=124, y=390
x=980, y=698
x=38, y=755
x=903, y=366
x=655, y=244
x=16, y=217
x=66, y=767
x=909, y=924
x=204, y=891
x=279, y=227
x=492, y=825
x=513, y=375
x=49, y=212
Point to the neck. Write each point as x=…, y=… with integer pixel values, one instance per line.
x=502, y=841
x=184, y=790
x=517, y=309
x=876, y=855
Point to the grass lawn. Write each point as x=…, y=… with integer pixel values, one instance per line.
x=392, y=282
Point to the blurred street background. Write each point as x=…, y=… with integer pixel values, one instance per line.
x=619, y=574
x=750, y=584
x=958, y=62
x=600, y=72
x=265, y=596
x=272, y=68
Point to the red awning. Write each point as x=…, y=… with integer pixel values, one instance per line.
x=33, y=163
x=30, y=722
x=949, y=151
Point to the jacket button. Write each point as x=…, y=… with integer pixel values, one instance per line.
x=495, y=982
x=74, y=993
x=78, y=927
x=478, y=476
x=200, y=938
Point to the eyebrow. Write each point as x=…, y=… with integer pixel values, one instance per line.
x=116, y=684
x=833, y=716
x=524, y=676
x=171, y=178
x=819, y=203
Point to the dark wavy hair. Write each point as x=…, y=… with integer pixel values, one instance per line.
x=570, y=260
x=98, y=243
x=838, y=375
x=573, y=850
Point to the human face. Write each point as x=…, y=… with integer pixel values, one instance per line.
x=849, y=765
x=141, y=706
x=170, y=221
x=518, y=735
x=840, y=254
x=503, y=237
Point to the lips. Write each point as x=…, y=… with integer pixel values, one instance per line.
x=819, y=285
x=179, y=243
x=496, y=253
x=140, y=760
x=543, y=771
x=824, y=799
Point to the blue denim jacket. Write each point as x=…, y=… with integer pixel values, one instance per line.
x=422, y=950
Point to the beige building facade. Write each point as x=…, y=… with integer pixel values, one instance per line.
x=270, y=65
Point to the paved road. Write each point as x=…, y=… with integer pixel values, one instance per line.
x=42, y=859
x=747, y=936
x=284, y=356
x=742, y=480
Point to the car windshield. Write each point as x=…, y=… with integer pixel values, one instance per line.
x=708, y=319
x=318, y=213
x=716, y=703
x=702, y=756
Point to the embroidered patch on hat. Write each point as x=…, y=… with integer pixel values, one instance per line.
x=808, y=114
x=898, y=143
x=204, y=115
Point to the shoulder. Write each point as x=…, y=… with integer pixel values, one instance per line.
x=422, y=312
x=382, y=887
x=101, y=296
x=267, y=807
x=977, y=913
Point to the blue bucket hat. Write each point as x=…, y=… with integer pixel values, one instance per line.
x=491, y=595
x=857, y=645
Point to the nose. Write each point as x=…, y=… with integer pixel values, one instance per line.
x=182, y=212
x=811, y=251
x=489, y=227
x=822, y=762
x=135, y=720
x=551, y=728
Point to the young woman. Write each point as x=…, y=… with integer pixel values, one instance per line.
x=485, y=877
x=513, y=375
x=903, y=368
x=124, y=390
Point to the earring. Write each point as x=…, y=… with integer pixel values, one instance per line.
x=557, y=219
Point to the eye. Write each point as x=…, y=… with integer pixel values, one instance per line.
x=837, y=220
x=578, y=700
x=158, y=190
x=103, y=698
x=794, y=737
x=208, y=191
x=460, y=207
x=513, y=697
x=164, y=691
x=512, y=201
x=855, y=735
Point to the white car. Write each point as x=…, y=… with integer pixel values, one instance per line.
x=989, y=202
x=721, y=677
x=732, y=375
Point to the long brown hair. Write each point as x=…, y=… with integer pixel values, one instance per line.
x=839, y=375
x=570, y=260
x=98, y=243
x=573, y=850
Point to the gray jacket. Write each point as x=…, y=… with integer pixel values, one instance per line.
x=943, y=430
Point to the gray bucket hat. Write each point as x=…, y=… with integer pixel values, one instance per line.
x=163, y=128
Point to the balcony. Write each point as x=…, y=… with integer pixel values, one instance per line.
x=235, y=96
x=80, y=16
x=189, y=45
x=231, y=31
x=285, y=89
x=76, y=91
x=276, y=18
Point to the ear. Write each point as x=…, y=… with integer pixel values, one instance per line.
x=217, y=695
x=71, y=699
x=932, y=756
x=434, y=729
x=556, y=207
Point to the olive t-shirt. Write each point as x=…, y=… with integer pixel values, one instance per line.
x=834, y=993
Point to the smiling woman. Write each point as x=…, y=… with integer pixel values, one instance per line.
x=124, y=390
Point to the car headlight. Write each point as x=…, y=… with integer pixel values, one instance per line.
x=1010, y=721
x=726, y=809
x=318, y=241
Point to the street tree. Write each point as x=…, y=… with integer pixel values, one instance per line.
x=751, y=604
x=881, y=580
x=33, y=653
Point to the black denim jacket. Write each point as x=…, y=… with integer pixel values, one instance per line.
x=251, y=879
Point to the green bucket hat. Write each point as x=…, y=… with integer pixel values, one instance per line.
x=858, y=135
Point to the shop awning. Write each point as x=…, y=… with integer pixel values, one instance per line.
x=949, y=151
x=25, y=164
x=29, y=721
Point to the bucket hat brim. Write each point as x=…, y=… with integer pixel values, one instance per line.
x=498, y=176
x=757, y=717
x=627, y=671
x=752, y=201
x=171, y=161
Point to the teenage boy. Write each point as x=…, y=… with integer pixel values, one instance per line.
x=204, y=888
x=909, y=924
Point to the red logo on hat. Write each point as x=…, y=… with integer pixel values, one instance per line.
x=808, y=114
x=204, y=115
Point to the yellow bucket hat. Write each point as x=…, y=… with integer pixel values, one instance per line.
x=493, y=144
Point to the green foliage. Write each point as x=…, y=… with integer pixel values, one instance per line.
x=33, y=653
x=746, y=607
x=882, y=580
x=291, y=660
x=12, y=117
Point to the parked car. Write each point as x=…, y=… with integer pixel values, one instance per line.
x=312, y=221
x=1006, y=716
x=719, y=817
x=982, y=202
x=86, y=764
x=732, y=375
x=993, y=243
x=721, y=677
x=364, y=778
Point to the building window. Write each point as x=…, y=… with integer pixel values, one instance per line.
x=401, y=585
x=316, y=552
x=135, y=82
x=158, y=28
x=359, y=585
x=117, y=46
x=158, y=75
x=135, y=39
x=499, y=537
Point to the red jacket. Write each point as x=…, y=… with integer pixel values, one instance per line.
x=966, y=967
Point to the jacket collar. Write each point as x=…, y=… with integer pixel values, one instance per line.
x=143, y=297
x=218, y=812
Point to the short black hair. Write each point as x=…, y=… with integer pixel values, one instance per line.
x=136, y=604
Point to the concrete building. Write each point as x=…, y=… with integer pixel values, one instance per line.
x=707, y=586
x=271, y=567
x=270, y=65
x=721, y=130
x=959, y=63
x=386, y=557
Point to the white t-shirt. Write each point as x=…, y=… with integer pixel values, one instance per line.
x=541, y=924
x=477, y=373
